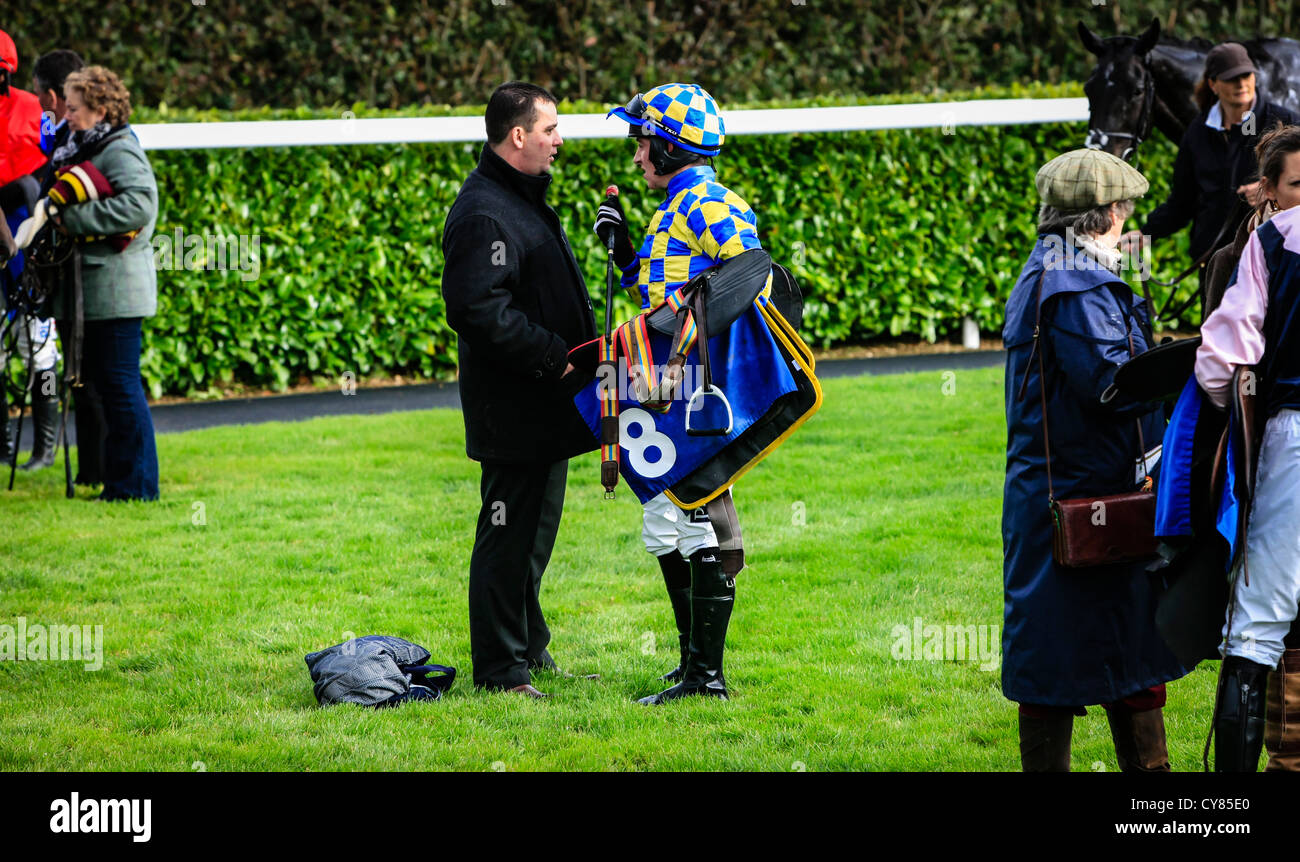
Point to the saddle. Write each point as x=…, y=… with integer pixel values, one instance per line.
x=763, y=389
x=1157, y=375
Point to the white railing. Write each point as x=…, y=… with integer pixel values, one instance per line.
x=349, y=130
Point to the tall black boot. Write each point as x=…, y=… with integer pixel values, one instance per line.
x=6, y=433
x=677, y=578
x=45, y=418
x=1239, y=729
x=713, y=595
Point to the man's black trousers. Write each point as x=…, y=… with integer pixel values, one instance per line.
x=516, y=531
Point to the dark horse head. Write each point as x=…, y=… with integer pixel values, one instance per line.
x=1121, y=91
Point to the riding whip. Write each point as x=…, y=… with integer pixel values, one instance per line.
x=607, y=374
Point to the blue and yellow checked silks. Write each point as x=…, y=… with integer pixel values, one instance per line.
x=699, y=224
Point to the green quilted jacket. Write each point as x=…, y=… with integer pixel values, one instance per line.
x=118, y=284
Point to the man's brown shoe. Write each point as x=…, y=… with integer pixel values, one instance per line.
x=528, y=691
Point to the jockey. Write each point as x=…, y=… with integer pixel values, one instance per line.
x=700, y=223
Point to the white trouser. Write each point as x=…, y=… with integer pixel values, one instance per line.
x=665, y=527
x=1266, y=608
x=39, y=335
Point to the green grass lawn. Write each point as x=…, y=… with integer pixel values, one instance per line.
x=884, y=508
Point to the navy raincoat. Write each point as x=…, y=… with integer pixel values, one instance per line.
x=1073, y=637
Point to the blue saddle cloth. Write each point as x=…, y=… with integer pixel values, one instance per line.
x=655, y=451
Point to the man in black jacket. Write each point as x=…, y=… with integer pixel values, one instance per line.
x=48, y=74
x=1216, y=159
x=516, y=297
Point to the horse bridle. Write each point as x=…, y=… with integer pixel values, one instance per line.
x=1098, y=139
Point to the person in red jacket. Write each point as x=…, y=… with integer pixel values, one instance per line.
x=20, y=157
x=20, y=117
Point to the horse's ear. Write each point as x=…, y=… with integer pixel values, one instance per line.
x=1091, y=40
x=1147, y=40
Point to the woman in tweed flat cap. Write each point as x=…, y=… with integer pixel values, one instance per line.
x=1079, y=636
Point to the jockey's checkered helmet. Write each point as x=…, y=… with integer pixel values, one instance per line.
x=682, y=113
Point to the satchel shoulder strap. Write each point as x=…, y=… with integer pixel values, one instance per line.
x=1042, y=382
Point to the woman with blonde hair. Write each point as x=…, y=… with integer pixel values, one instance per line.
x=106, y=198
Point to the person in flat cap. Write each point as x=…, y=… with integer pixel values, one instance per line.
x=1079, y=636
x=1215, y=185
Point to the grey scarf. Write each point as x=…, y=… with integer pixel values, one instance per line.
x=67, y=153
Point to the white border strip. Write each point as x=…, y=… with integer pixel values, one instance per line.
x=426, y=130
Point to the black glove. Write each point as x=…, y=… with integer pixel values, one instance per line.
x=610, y=222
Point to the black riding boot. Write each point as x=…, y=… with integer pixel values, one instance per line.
x=6, y=433
x=1239, y=729
x=45, y=416
x=677, y=578
x=713, y=595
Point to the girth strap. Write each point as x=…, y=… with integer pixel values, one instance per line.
x=726, y=526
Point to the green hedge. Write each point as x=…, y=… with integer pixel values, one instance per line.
x=890, y=233
x=229, y=54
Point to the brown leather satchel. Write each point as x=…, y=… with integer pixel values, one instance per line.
x=1096, y=531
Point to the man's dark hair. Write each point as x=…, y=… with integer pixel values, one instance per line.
x=514, y=103
x=52, y=69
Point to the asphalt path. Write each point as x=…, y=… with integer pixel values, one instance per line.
x=193, y=415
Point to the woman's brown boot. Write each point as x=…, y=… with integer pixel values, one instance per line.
x=1282, y=731
x=1139, y=739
